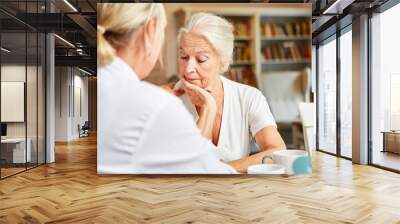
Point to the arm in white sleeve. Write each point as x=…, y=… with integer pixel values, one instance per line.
x=173, y=144
x=260, y=115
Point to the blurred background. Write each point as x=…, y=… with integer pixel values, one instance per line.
x=48, y=68
x=272, y=53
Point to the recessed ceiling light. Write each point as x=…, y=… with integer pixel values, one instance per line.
x=86, y=72
x=338, y=6
x=64, y=40
x=70, y=5
x=5, y=50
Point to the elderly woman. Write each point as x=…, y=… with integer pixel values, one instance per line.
x=227, y=112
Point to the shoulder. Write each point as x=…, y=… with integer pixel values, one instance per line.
x=157, y=91
x=159, y=95
x=244, y=92
x=128, y=96
x=156, y=96
x=170, y=114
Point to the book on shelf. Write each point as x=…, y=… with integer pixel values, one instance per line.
x=241, y=28
x=243, y=75
x=242, y=52
x=285, y=29
x=288, y=50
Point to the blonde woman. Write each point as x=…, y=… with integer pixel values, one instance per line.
x=240, y=112
x=141, y=128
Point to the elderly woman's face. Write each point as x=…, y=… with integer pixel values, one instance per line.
x=199, y=62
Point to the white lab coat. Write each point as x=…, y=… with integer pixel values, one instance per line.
x=144, y=130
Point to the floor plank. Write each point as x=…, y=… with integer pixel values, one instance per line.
x=70, y=191
x=387, y=159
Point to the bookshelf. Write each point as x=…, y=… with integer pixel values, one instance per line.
x=272, y=48
x=285, y=43
x=242, y=68
x=285, y=38
x=266, y=39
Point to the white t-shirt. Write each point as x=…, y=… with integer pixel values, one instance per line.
x=245, y=112
x=144, y=130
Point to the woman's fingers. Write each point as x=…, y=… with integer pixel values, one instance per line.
x=193, y=88
x=195, y=93
x=188, y=86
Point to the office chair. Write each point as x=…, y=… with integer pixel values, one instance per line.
x=84, y=130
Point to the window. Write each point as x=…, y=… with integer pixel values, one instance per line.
x=346, y=92
x=327, y=96
x=22, y=89
x=385, y=89
x=14, y=155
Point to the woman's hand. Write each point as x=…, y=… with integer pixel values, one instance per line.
x=242, y=164
x=204, y=102
x=269, y=140
x=199, y=96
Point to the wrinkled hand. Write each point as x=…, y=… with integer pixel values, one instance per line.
x=206, y=104
x=198, y=96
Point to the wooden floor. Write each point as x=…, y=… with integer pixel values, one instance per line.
x=5, y=172
x=70, y=191
x=10, y=171
x=387, y=159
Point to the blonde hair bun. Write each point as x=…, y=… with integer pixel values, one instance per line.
x=117, y=22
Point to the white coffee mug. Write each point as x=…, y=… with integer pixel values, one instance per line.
x=286, y=158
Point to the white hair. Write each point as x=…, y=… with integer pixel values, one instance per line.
x=217, y=30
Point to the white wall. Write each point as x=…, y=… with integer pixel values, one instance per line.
x=69, y=82
x=17, y=73
x=62, y=81
x=79, y=117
